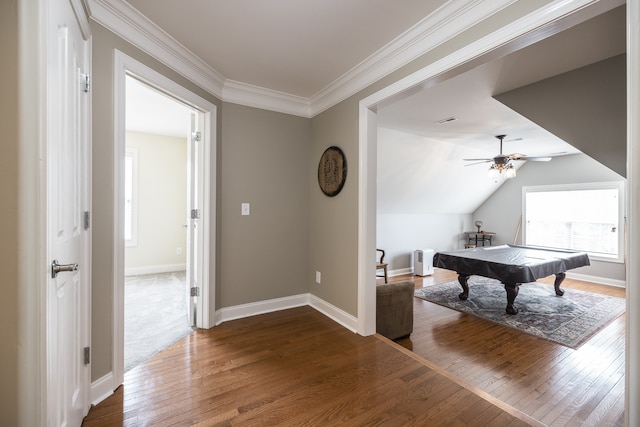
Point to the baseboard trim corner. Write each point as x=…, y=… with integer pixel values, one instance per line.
x=101, y=389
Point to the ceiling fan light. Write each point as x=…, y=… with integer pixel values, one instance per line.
x=493, y=172
x=511, y=171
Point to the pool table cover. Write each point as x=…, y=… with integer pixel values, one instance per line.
x=509, y=263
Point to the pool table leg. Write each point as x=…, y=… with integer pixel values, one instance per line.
x=462, y=279
x=559, y=278
x=512, y=292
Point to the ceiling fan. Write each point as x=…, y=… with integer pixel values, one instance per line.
x=502, y=162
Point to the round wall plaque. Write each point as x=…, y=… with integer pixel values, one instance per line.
x=332, y=171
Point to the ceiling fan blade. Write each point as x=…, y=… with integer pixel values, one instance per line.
x=518, y=156
x=478, y=162
x=535, y=159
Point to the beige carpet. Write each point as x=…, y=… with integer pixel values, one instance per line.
x=155, y=312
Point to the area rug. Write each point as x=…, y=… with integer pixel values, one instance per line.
x=569, y=320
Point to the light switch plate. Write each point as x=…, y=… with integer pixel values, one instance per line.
x=246, y=209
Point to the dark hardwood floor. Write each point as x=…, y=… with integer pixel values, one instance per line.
x=554, y=384
x=297, y=367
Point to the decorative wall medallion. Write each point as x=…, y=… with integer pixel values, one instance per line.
x=332, y=171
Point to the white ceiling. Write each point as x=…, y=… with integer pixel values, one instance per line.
x=292, y=46
x=300, y=48
x=150, y=111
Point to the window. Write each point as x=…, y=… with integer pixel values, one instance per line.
x=581, y=217
x=130, y=197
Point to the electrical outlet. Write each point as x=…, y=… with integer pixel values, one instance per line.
x=178, y=251
x=318, y=277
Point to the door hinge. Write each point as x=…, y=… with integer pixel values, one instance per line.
x=195, y=292
x=86, y=82
x=87, y=355
x=195, y=213
x=86, y=220
x=196, y=136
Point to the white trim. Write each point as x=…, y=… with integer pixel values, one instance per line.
x=102, y=388
x=632, y=373
x=367, y=216
x=331, y=311
x=125, y=21
x=124, y=65
x=443, y=24
x=267, y=99
x=269, y=306
x=596, y=279
x=153, y=269
x=83, y=20
x=260, y=307
x=133, y=153
x=608, y=185
x=401, y=272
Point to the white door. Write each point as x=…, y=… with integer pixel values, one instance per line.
x=67, y=154
x=194, y=208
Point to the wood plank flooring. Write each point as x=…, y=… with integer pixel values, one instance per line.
x=554, y=384
x=297, y=367
x=294, y=368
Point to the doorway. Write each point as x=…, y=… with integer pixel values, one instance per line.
x=197, y=148
x=157, y=302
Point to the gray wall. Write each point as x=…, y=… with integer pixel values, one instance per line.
x=501, y=212
x=333, y=223
x=586, y=107
x=9, y=214
x=265, y=158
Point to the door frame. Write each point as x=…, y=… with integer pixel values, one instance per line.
x=125, y=65
x=367, y=148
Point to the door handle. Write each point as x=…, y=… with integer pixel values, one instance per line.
x=57, y=268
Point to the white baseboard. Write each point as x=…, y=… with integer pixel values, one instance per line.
x=599, y=280
x=260, y=307
x=400, y=272
x=101, y=389
x=153, y=269
x=252, y=309
x=331, y=311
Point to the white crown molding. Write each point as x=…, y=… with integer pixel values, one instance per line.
x=259, y=97
x=126, y=22
x=82, y=18
x=445, y=23
x=129, y=24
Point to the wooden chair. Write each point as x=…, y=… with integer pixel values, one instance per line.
x=381, y=265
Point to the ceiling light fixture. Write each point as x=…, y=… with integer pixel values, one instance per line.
x=502, y=163
x=495, y=171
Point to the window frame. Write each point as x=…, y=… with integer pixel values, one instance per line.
x=617, y=185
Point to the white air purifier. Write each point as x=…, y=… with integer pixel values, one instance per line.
x=423, y=262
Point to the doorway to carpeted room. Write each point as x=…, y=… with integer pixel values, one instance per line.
x=156, y=316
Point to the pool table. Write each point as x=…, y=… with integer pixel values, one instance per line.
x=511, y=265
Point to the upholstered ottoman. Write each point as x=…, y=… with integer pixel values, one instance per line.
x=394, y=309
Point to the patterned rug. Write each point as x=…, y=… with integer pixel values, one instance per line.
x=569, y=320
